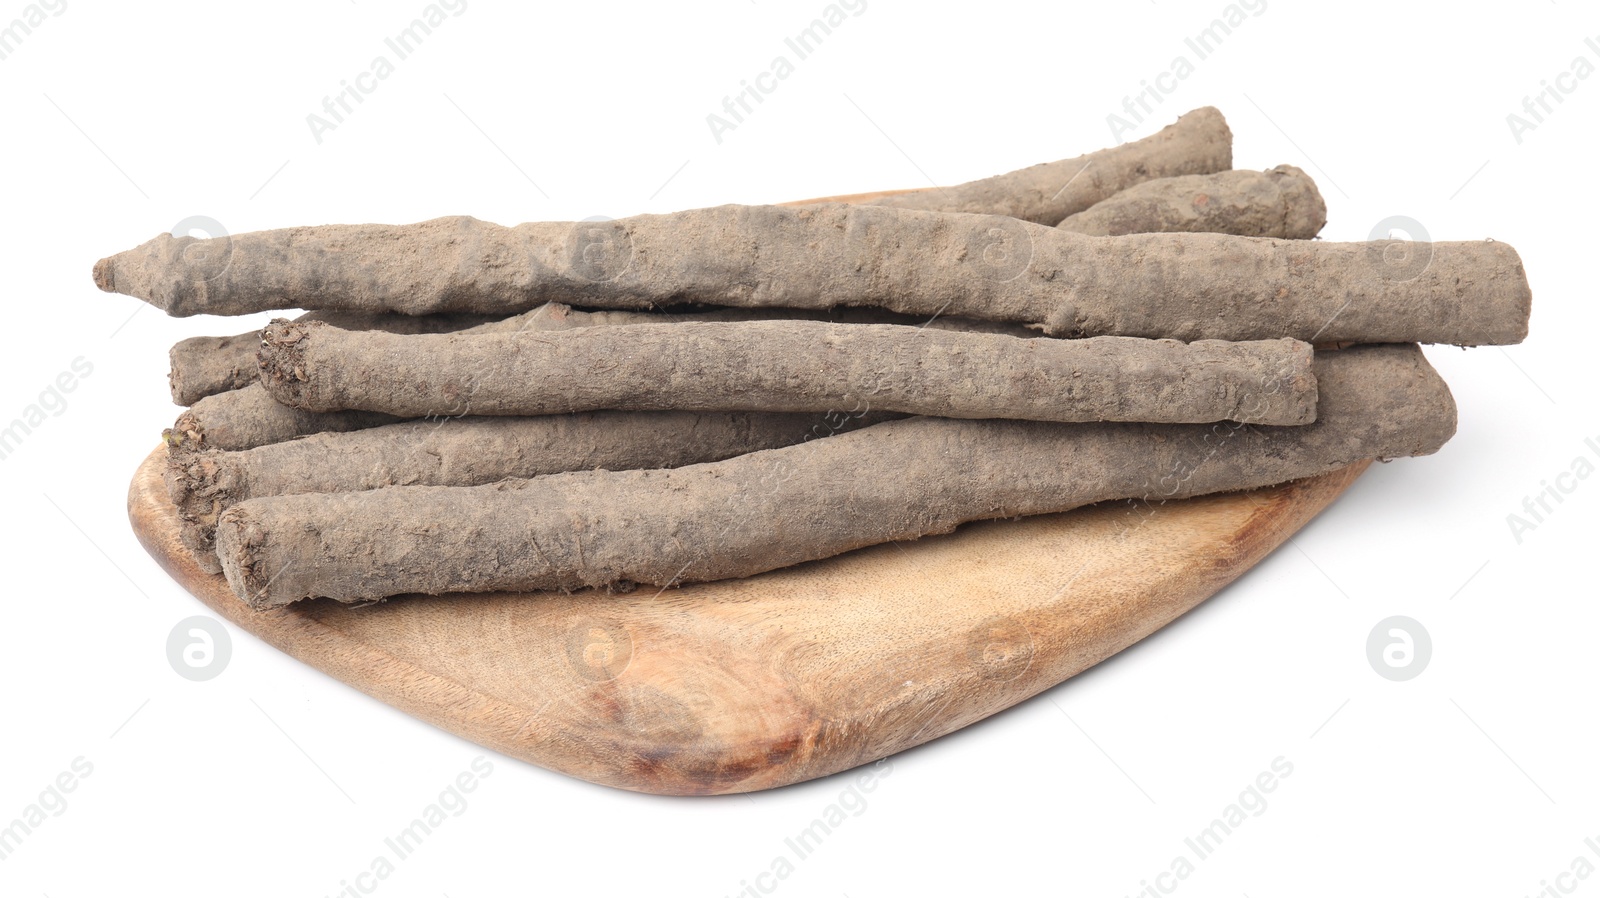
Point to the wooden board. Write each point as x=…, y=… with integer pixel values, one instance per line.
x=799, y=673
x=752, y=684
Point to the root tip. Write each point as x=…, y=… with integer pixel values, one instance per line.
x=105, y=275
x=236, y=543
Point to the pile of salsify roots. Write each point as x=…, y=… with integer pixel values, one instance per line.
x=720, y=392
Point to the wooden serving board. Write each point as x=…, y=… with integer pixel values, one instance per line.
x=751, y=684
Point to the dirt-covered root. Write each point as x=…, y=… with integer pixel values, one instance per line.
x=1199, y=142
x=555, y=316
x=1280, y=202
x=247, y=417
x=753, y=513
x=250, y=417
x=1181, y=286
x=189, y=276
x=205, y=366
x=473, y=451
x=788, y=366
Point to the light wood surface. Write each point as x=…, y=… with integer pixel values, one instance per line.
x=750, y=684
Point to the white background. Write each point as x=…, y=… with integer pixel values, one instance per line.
x=1477, y=777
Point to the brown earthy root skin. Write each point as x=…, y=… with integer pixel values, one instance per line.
x=1283, y=202
x=1280, y=202
x=769, y=509
x=470, y=452
x=1179, y=286
x=250, y=417
x=555, y=316
x=206, y=366
x=243, y=418
x=788, y=366
x=1198, y=143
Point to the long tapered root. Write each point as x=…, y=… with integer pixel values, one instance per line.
x=472, y=451
x=1199, y=142
x=206, y=366
x=789, y=366
x=250, y=417
x=1179, y=286
x=1280, y=202
x=769, y=509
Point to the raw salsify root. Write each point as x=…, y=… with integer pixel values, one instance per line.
x=471, y=451
x=206, y=366
x=249, y=417
x=757, y=512
x=1280, y=202
x=1199, y=142
x=1179, y=286
x=788, y=366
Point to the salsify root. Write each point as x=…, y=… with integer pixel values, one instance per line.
x=788, y=366
x=1180, y=286
x=757, y=512
x=471, y=451
x=555, y=316
x=1199, y=142
x=1280, y=202
x=249, y=417
x=205, y=366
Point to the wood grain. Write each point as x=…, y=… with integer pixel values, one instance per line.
x=751, y=684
